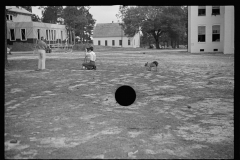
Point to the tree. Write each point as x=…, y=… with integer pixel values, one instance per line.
x=146, y=39
x=6, y=60
x=145, y=18
x=165, y=39
x=51, y=14
x=174, y=19
x=185, y=19
x=79, y=20
x=154, y=20
x=35, y=18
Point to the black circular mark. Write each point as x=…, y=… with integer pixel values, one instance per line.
x=125, y=95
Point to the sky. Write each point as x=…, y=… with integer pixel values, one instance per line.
x=102, y=14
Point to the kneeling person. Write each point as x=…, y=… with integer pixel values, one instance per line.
x=92, y=57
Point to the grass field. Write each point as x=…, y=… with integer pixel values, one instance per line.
x=185, y=110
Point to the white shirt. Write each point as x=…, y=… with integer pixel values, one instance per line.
x=8, y=50
x=91, y=55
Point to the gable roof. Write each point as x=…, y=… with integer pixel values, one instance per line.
x=108, y=30
x=18, y=10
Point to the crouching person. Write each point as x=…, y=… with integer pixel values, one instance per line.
x=41, y=50
x=91, y=56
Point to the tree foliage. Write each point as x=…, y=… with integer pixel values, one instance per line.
x=176, y=25
x=78, y=19
x=35, y=18
x=153, y=20
x=52, y=14
x=6, y=60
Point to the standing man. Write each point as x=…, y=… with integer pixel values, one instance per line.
x=41, y=50
x=92, y=57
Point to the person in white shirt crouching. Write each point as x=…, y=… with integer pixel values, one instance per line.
x=91, y=56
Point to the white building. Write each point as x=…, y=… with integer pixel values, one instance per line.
x=111, y=34
x=211, y=29
x=21, y=28
x=16, y=14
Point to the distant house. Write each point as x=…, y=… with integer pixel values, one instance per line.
x=211, y=29
x=15, y=14
x=21, y=28
x=111, y=34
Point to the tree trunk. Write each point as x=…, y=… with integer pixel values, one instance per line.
x=156, y=37
x=74, y=37
x=6, y=60
x=157, y=43
x=70, y=36
x=83, y=38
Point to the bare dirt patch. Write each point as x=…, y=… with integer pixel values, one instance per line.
x=185, y=110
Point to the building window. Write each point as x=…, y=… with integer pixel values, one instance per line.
x=201, y=10
x=61, y=35
x=99, y=43
x=47, y=34
x=215, y=10
x=23, y=34
x=105, y=42
x=38, y=33
x=201, y=33
x=129, y=42
x=9, y=17
x=216, y=33
x=12, y=34
x=120, y=42
x=113, y=43
x=54, y=35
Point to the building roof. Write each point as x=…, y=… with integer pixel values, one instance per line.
x=35, y=25
x=18, y=10
x=107, y=30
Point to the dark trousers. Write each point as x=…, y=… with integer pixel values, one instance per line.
x=89, y=64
